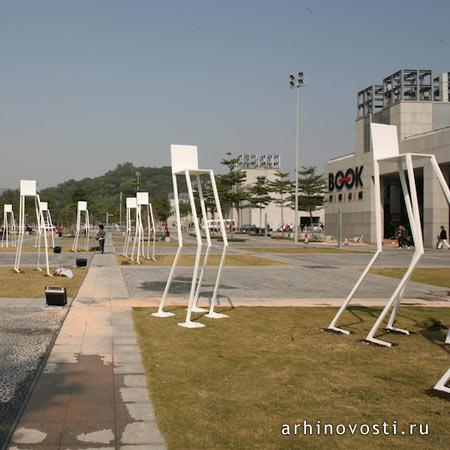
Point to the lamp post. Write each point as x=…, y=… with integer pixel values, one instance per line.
x=296, y=82
x=138, y=180
x=108, y=215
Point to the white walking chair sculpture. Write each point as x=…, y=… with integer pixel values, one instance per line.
x=142, y=202
x=82, y=208
x=28, y=189
x=385, y=149
x=131, y=206
x=48, y=224
x=185, y=162
x=441, y=385
x=9, y=227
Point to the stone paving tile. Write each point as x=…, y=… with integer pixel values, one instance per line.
x=77, y=434
x=78, y=400
x=128, y=368
x=133, y=394
x=140, y=433
x=38, y=433
x=135, y=380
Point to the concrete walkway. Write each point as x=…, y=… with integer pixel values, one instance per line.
x=93, y=391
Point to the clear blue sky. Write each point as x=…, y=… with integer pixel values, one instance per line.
x=87, y=84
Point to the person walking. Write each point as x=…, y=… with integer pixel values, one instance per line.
x=101, y=238
x=401, y=236
x=442, y=239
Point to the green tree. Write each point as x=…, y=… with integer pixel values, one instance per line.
x=230, y=186
x=161, y=208
x=260, y=196
x=282, y=188
x=311, y=189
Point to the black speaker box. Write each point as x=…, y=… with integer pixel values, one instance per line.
x=81, y=262
x=56, y=296
x=57, y=249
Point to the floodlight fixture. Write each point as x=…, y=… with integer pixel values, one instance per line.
x=296, y=82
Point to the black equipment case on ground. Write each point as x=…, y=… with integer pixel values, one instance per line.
x=57, y=249
x=81, y=262
x=56, y=296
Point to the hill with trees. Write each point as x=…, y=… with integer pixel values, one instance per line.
x=103, y=193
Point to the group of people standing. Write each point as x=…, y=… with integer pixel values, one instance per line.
x=405, y=240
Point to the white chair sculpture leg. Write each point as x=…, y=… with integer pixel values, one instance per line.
x=138, y=233
x=196, y=308
x=379, y=245
x=441, y=385
x=143, y=248
x=185, y=161
x=82, y=208
x=28, y=189
x=47, y=224
x=9, y=227
x=127, y=231
x=50, y=226
x=161, y=312
x=151, y=235
x=212, y=314
x=447, y=339
x=131, y=206
x=385, y=148
x=416, y=230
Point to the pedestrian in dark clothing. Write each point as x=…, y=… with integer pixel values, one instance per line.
x=442, y=239
x=101, y=238
x=401, y=236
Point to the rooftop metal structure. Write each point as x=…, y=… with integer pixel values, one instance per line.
x=416, y=85
x=254, y=161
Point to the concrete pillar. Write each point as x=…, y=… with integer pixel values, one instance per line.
x=435, y=207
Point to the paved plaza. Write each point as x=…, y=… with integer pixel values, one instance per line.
x=299, y=276
x=26, y=333
x=92, y=392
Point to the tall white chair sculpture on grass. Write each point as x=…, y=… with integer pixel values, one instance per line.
x=9, y=227
x=144, y=210
x=47, y=224
x=185, y=163
x=82, y=208
x=28, y=189
x=441, y=385
x=131, y=206
x=385, y=149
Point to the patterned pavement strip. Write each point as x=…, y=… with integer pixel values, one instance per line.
x=93, y=391
x=26, y=333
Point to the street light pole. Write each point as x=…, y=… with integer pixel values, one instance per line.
x=296, y=82
x=138, y=180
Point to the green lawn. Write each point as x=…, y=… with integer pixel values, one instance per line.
x=234, y=383
x=30, y=283
x=437, y=276
x=294, y=250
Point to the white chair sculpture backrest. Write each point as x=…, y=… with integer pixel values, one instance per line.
x=144, y=214
x=48, y=223
x=82, y=208
x=185, y=162
x=9, y=227
x=385, y=149
x=131, y=205
x=28, y=188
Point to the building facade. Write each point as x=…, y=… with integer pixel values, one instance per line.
x=418, y=104
x=267, y=165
